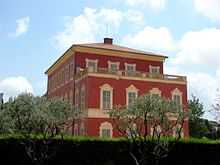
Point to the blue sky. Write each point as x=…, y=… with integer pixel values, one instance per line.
x=33, y=34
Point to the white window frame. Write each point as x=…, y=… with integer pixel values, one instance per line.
x=158, y=129
x=77, y=98
x=83, y=99
x=134, y=129
x=90, y=60
x=82, y=129
x=113, y=63
x=133, y=65
x=155, y=91
x=178, y=126
x=131, y=88
x=176, y=91
x=106, y=125
x=76, y=130
x=106, y=87
x=154, y=67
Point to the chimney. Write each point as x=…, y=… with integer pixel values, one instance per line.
x=108, y=41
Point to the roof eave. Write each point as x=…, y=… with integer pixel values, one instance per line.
x=144, y=54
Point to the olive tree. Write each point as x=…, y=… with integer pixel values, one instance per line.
x=31, y=117
x=147, y=123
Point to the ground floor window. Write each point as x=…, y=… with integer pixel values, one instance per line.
x=106, y=133
x=76, y=132
x=105, y=130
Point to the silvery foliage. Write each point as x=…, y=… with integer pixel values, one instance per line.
x=149, y=118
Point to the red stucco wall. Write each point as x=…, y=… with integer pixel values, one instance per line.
x=141, y=65
x=119, y=89
x=92, y=85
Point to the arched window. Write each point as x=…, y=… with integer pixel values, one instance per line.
x=155, y=92
x=155, y=131
x=83, y=98
x=178, y=131
x=131, y=94
x=77, y=98
x=106, y=97
x=105, y=130
x=177, y=96
x=75, y=131
x=82, y=129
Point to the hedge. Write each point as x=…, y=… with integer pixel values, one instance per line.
x=91, y=151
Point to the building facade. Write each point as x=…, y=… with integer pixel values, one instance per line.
x=96, y=77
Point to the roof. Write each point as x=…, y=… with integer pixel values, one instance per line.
x=117, y=48
x=106, y=46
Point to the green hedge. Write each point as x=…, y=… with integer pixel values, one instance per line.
x=91, y=151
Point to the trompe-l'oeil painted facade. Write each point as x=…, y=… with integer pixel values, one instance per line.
x=96, y=77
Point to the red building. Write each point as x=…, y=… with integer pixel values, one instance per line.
x=95, y=77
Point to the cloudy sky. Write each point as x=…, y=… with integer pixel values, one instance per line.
x=33, y=34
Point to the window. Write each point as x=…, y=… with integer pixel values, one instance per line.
x=76, y=133
x=155, y=92
x=178, y=131
x=105, y=130
x=77, y=98
x=131, y=94
x=130, y=67
x=155, y=131
x=91, y=65
x=82, y=129
x=176, y=99
x=113, y=66
x=132, y=130
x=177, y=96
x=106, y=95
x=154, y=69
x=106, y=133
x=82, y=98
x=106, y=99
x=131, y=97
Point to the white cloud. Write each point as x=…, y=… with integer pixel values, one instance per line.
x=150, y=38
x=93, y=23
x=87, y=26
x=199, y=47
x=198, y=57
x=22, y=26
x=12, y=86
x=203, y=85
x=135, y=16
x=154, y=4
x=209, y=8
x=196, y=49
